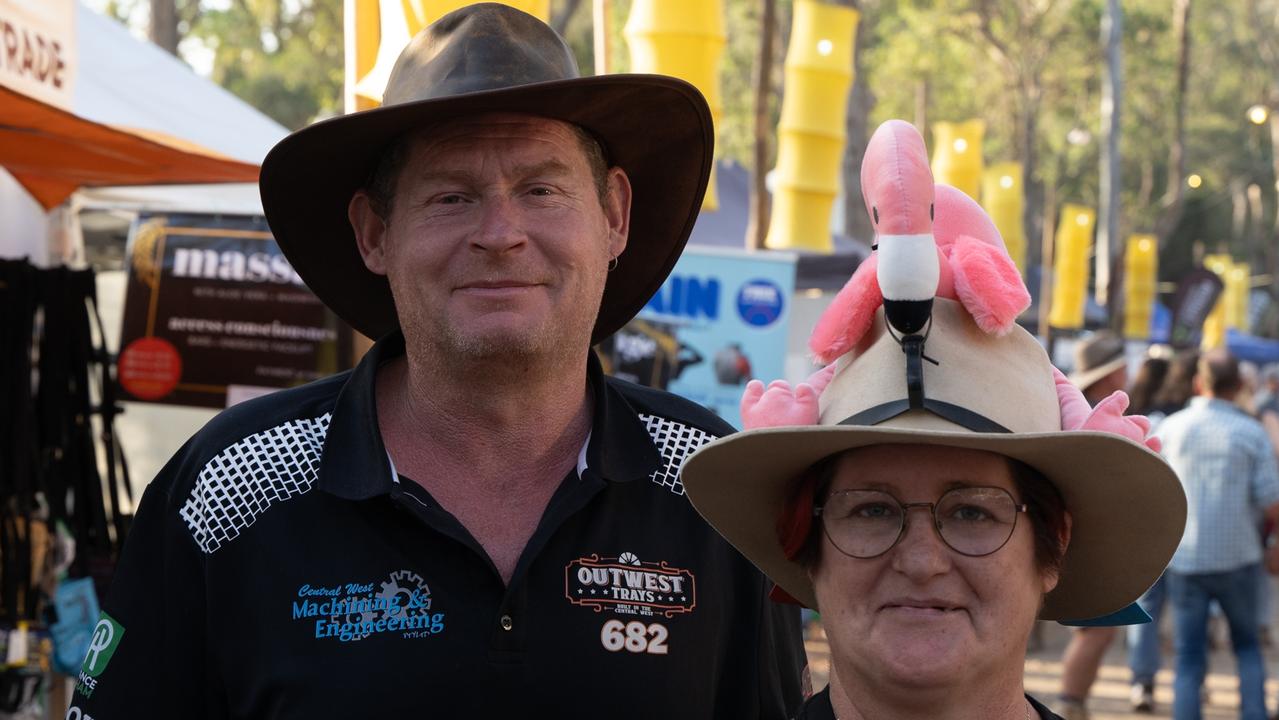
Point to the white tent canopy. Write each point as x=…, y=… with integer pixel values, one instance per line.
x=130, y=84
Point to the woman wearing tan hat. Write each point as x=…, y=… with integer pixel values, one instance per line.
x=954, y=488
x=931, y=541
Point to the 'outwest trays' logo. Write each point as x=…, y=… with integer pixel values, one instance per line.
x=626, y=585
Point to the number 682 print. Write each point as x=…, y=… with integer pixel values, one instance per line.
x=634, y=637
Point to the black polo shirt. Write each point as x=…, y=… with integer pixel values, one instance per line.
x=278, y=568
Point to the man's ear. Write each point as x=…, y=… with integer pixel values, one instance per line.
x=370, y=231
x=1063, y=542
x=617, y=210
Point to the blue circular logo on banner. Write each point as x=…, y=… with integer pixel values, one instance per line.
x=759, y=302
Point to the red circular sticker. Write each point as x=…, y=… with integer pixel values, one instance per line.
x=150, y=368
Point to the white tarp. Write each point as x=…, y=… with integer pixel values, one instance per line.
x=130, y=84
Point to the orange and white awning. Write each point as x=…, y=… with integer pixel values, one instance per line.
x=51, y=146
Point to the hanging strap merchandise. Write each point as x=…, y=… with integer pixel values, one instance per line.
x=53, y=373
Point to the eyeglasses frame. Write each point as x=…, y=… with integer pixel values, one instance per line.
x=1019, y=508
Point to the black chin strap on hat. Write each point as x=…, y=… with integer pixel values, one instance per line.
x=913, y=347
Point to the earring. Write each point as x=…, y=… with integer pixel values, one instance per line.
x=613, y=263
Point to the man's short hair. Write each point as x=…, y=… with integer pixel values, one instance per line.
x=382, y=182
x=1219, y=372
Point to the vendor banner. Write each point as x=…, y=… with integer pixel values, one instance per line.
x=719, y=320
x=214, y=314
x=38, y=49
x=1196, y=296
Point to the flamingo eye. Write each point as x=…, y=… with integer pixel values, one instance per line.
x=930, y=212
x=875, y=212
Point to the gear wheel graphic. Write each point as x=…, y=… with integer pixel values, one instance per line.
x=359, y=620
x=398, y=591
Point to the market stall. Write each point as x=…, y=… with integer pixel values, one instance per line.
x=84, y=108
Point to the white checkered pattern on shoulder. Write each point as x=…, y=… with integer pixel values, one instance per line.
x=242, y=481
x=676, y=441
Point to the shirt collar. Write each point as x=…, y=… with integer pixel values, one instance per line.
x=355, y=464
x=620, y=448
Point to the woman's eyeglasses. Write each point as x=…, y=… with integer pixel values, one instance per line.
x=972, y=521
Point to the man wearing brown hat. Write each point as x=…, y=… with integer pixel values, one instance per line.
x=475, y=521
x=1100, y=369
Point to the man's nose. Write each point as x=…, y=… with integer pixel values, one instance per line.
x=500, y=229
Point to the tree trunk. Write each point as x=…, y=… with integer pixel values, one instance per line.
x=1034, y=212
x=600, y=14
x=1271, y=234
x=757, y=226
x=163, y=29
x=861, y=101
x=1174, y=200
x=1147, y=189
x=921, y=105
x=1109, y=245
x=560, y=18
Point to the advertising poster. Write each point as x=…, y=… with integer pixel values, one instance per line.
x=214, y=314
x=719, y=320
x=1196, y=296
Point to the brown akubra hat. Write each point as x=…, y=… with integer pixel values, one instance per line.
x=493, y=58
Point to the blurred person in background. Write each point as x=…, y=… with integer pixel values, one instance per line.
x=1228, y=468
x=1178, y=386
x=1101, y=368
x=1267, y=402
x=1249, y=385
x=1144, y=657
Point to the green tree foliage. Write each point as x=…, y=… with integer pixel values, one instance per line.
x=938, y=51
x=284, y=57
x=1030, y=68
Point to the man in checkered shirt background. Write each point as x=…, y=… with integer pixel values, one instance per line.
x=1227, y=465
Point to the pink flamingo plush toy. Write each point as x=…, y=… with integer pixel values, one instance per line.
x=931, y=241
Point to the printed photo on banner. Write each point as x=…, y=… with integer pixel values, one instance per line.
x=719, y=320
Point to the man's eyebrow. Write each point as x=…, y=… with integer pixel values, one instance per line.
x=552, y=167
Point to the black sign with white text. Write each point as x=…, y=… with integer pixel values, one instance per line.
x=214, y=314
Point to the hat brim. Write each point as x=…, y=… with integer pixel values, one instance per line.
x=1126, y=504
x=1085, y=379
x=658, y=129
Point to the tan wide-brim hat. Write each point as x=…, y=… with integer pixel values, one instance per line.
x=488, y=58
x=1127, y=507
x=1097, y=356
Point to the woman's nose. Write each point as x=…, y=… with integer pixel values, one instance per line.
x=921, y=553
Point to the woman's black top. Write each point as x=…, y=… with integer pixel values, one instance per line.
x=818, y=707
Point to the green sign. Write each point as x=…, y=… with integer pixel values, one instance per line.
x=106, y=638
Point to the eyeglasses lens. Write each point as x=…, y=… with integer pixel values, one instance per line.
x=972, y=520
